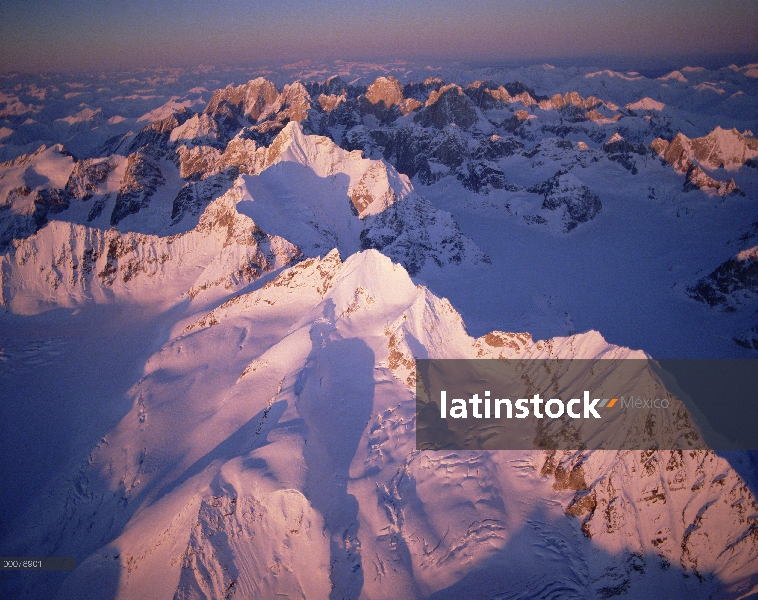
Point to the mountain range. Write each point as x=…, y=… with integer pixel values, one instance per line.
x=211, y=319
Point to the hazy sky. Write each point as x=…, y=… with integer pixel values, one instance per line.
x=87, y=34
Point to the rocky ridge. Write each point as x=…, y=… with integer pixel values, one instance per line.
x=427, y=131
x=720, y=149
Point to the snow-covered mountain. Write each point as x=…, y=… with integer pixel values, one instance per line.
x=68, y=265
x=303, y=187
x=212, y=297
x=284, y=462
x=719, y=149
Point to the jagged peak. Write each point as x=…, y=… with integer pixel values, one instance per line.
x=334, y=85
x=646, y=103
x=558, y=101
x=447, y=89
x=727, y=136
x=374, y=184
x=750, y=254
x=449, y=105
x=616, y=137
x=294, y=88
x=297, y=99
x=373, y=271
x=487, y=84
x=727, y=148
x=387, y=90
x=255, y=99
x=315, y=151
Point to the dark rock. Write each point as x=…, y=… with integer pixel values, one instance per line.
x=483, y=176
x=448, y=106
x=731, y=284
x=563, y=190
x=141, y=180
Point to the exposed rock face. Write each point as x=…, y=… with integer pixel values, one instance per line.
x=621, y=518
x=141, y=180
x=451, y=135
x=296, y=102
x=483, y=176
x=620, y=150
x=198, y=162
x=571, y=99
x=196, y=195
x=384, y=211
x=675, y=153
x=412, y=232
x=87, y=176
x=665, y=482
x=386, y=90
x=495, y=147
x=597, y=116
x=487, y=95
x=14, y=195
x=421, y=90
x=330, y=102
x=448, y=106
x=156, y=137
x=256, y=100
x=447, y=133
x=49, y=202
x=26, y=207
x=697, y=179
x=384, y=99
x=24, y=224
x=261, y=488
x=731, y=284
x=257, y=104
x=428, y=153
x=76, y=264
x=563, y=191
x=444, y=141
x=334, y=86
x=721, y=148
x=204, y=129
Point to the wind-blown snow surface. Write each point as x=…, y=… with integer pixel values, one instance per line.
x=206, y=364
x=267, y=447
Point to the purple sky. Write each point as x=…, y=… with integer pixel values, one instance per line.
x=83, y=34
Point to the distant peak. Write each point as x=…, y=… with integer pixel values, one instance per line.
x=674, y=76
x=616, y=137
x=387, y=90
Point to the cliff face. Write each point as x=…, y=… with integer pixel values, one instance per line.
x=720, y=149
x=66, y=264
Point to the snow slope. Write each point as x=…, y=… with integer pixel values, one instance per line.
x=269, y=449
